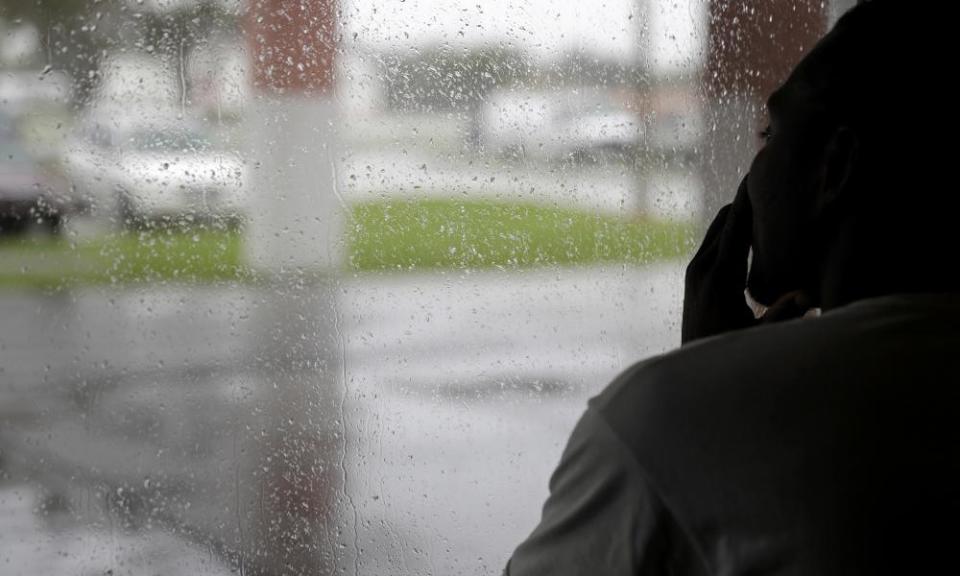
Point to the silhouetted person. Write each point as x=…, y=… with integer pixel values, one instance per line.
x=807, y=446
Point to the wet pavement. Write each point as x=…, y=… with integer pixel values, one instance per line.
x=375, y=424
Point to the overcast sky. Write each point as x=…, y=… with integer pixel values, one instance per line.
x=670, y=33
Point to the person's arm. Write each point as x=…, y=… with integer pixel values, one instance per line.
x=602, y=517
x=713, y=300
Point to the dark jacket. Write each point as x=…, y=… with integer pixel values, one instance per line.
x=826, y=446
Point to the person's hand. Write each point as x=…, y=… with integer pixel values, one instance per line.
x=716, y=278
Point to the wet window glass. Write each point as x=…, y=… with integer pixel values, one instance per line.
x=304, y=287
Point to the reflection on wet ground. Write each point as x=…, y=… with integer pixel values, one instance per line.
x=381, y=424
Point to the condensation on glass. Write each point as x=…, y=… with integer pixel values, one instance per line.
x=307, y=287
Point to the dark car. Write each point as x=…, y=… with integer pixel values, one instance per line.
x=29, y=194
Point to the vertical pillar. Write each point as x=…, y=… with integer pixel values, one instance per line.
x=294, y=232
x=295, y=219
x=753, y=45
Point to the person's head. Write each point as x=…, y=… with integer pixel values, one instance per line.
x=845, y=183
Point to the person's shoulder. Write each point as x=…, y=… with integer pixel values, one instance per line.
x=739, y=362
x=710, y=363
x=720, y=371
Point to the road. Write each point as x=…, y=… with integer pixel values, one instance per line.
x=373, y=424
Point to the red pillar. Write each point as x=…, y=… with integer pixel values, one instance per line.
x=292, y=45
x=294, y=227
x=755, y=43
x=753, y=46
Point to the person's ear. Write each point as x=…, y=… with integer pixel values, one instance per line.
x=838, y=168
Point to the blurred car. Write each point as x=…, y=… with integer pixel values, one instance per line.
x=549, y=126
x=150, y=170
x=29, y=194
